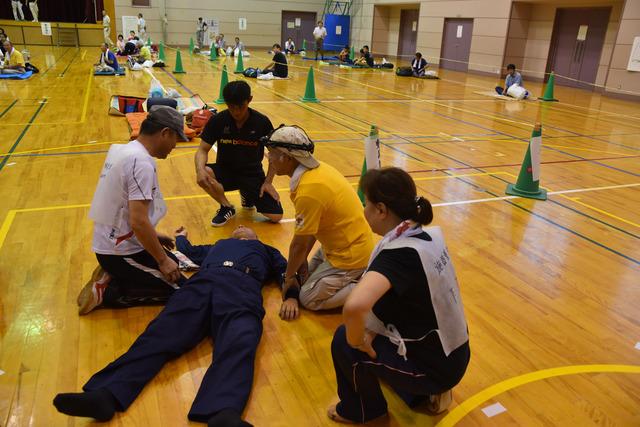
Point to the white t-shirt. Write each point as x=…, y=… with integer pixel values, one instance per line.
x=142, y=25
x=106, y=21
x=129, y=173
x=320, y=33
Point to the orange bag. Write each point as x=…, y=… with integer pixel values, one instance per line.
x=200, y=118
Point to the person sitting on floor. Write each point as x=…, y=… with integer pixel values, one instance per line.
x=108, y=61
x=13, y=60
x=513, y=77
x=362, y=59
x=132, y=35
x=289, y=46
x=343, y=56
x=238, y=47
x=404, y=322
x=120, y=43
x=418, y=65
x=367, y=56
x=223, y=301
x=278, y=66
x=131, y=46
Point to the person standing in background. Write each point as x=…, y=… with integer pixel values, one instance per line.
x=200, y=29
x=142, y=28
x=33, y=6
x=16, y=5
x=165, y=26
x=106, y=28
x=319, y=33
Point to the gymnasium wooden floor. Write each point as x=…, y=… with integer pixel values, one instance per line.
x=551, y=289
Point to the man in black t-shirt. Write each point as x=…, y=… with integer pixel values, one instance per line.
x=279, y=66
x=237, y=131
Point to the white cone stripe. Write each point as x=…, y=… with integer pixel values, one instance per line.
x=535, y=145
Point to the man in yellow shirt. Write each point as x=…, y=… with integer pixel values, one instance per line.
x=327, y=210
x=13, y=60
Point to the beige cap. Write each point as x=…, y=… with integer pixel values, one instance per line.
x=295, y=136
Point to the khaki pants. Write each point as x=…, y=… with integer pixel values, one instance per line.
x=327, y=287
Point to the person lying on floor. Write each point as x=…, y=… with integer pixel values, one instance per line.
x=108, y=61
x=224, y=301
x=513, y=77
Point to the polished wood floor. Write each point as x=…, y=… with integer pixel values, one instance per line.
x=546, y=285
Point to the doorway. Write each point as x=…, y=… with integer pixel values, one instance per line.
x=456, y=44
x=408, y=32
x=297, y=25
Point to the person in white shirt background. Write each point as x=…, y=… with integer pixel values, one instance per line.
x=106, y=28
x=142, y=28
x=319, y=33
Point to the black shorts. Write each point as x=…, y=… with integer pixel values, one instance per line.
x=249, y=186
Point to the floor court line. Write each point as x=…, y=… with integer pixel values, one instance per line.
x=4, y=160
x=8, y=108
x=55, y=63
x=456, y=414
x=11, y=214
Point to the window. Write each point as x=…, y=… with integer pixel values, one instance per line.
x=146, y=3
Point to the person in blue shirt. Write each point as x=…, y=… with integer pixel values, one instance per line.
x=223, y=300
x=108, y=61
x=513, y=77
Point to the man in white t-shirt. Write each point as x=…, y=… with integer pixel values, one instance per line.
x=106, y=28
x=134, y=266
x=319, y=33
x=142, y=28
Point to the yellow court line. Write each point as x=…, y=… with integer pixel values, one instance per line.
x=460, y=411
x=85, y=106
x=6, y=225
x=38, y=150
x=602, y=211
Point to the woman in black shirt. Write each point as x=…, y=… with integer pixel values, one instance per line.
x=404, y=321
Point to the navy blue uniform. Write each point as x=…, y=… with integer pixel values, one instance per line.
x=223, y=300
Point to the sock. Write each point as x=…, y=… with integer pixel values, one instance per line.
x=99, y=404
x=227, y=418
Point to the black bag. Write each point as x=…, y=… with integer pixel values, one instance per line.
x=387, y=65
x=31, y=67
x=404, y=71
x=251, y=72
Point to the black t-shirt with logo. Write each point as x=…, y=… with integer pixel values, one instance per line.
x=280, y=68
x=238, y=149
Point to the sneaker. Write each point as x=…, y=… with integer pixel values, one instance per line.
x=439, y=403
x=224, y=214
x=246, y=206
x=91, y=294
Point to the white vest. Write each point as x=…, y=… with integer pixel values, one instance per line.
x=443, y=290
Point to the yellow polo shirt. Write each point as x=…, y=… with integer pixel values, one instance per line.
x=145, y=53
x=328, y=208
x=16, y=58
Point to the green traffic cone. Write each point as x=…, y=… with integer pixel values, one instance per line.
x=528, y=184
x=373, y=133
x=191, y=45
x=352, y=53
x=310, y=90
x=239, y=63
x=223, y=82
x=161, y=54
x=548, y=92
x=213, y=53
x=178, y=69
x=304, y=44
x=149, y=42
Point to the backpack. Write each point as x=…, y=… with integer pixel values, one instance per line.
x=251, y=72
x=200, y=118
x=30, y=67
x=404, y=71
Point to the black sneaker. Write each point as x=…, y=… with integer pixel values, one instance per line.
x=224, y=214
x=246, y=206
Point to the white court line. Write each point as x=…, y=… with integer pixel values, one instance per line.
x=494, y=199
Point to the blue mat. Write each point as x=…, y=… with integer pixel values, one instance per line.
x=22, y=76
x=326, y=58
x=119, y=72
